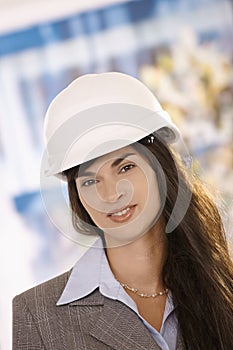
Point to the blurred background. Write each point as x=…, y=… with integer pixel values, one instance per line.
x=182, y=50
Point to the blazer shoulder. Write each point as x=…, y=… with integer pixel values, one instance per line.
x=49, y=291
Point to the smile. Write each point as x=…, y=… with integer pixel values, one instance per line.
x=119, y=213
x=122, y=215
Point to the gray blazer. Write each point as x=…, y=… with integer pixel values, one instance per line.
x=94, y=322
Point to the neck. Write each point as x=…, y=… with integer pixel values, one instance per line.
x=139, y=264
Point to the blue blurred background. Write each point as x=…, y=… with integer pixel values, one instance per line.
x=182, y=50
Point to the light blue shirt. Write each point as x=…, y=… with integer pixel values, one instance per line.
x=92, y=271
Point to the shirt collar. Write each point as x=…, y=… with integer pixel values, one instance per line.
x=92, y=271
x=84, y=277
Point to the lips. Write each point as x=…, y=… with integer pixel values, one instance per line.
x=123, y=214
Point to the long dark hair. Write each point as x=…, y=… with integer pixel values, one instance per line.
x=198, y=269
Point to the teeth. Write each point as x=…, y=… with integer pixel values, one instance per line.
x=119, y=213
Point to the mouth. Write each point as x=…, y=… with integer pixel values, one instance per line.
x=122, y=215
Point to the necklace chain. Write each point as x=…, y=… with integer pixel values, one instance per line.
x=143, y=295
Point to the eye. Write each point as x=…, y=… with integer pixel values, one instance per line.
x=89, y=182
x=126, y=168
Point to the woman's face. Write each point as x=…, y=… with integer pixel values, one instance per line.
x=120, y=193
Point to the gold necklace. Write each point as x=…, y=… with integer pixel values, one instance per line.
x=143, y=295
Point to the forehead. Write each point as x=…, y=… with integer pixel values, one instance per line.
x=109, y=158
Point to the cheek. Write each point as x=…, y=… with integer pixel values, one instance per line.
x=149, y=189
x=94, y=214
x=84, y=204
x=141, y=186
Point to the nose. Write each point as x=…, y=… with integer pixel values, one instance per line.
x=109, y=191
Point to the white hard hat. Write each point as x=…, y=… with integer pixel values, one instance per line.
x=97, y=114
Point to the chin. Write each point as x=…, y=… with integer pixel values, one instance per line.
x=119, y=237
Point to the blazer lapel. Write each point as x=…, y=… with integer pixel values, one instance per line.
x=115, y=324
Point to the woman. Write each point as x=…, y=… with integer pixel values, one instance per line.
x=160, y=275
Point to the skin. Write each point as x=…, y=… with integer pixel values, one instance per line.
x=136, y=247
x=119, y=180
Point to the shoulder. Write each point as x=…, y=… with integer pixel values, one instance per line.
x=46, y=292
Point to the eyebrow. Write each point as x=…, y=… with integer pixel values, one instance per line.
x=119, y=160
x=83, y=172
